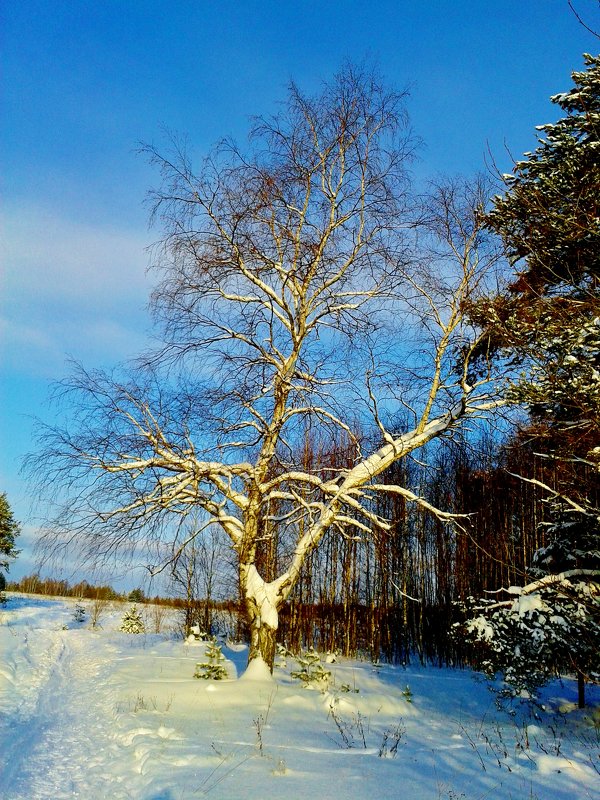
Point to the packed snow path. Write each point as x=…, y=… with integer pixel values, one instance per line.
x=102, y=715
x=57, y=736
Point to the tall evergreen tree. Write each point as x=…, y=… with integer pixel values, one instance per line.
x=548, y=327
x=549, y=216
x=548, y=322
x=9, y=530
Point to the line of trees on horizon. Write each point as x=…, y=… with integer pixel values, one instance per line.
x=393, y=597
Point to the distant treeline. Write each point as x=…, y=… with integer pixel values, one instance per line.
x=34, y=584
x=51, y=587
x=393, y=595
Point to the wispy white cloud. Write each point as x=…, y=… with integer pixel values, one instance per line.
x=36, y=557
x=49, y=258
x=43, y=349
x=21, y=335
x=69, y=289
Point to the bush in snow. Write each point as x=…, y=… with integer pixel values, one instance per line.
x=97, y=608
x=407, y=694
x=282, y=655
x=212, y=668
x=132, y=622
x=196, y=634
x=79, y=613
x=312, y=673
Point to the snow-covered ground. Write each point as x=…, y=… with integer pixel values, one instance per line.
x=101, y=714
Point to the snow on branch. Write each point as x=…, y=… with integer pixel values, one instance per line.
x=559, y=580
x=574, y=505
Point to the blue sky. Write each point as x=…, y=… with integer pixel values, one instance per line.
x=84, y=82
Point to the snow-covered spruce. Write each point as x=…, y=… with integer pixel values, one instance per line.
x=132, y=621
x=212, y=668
x=549, y=325
x=563, y=381
x=311, y=671
x=548, y=215
x=551, y=626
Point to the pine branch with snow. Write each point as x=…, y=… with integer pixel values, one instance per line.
x=550, y=626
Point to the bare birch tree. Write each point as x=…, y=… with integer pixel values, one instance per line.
x=300, y=287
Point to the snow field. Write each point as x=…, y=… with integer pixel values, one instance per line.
x=101, y=714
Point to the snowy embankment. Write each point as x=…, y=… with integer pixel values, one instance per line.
x=102, y=714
